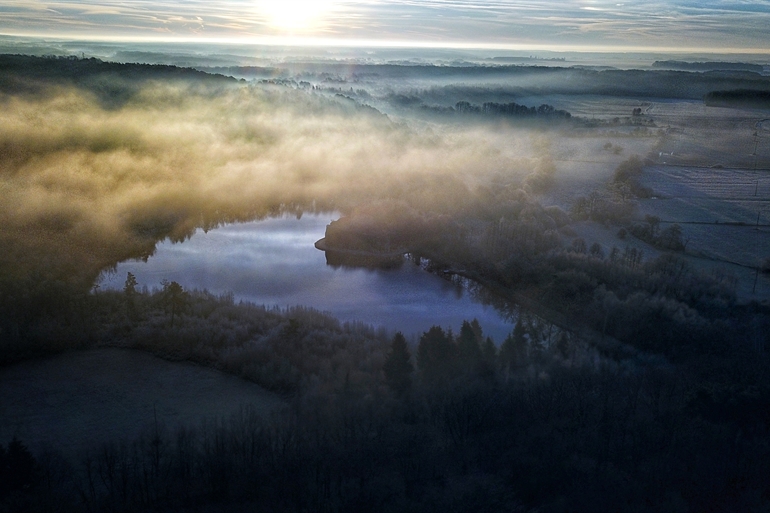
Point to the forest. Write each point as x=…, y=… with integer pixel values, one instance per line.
x=632, y=379
x=739, y=98
x=546, y=420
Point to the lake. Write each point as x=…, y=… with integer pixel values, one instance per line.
x=274, y=262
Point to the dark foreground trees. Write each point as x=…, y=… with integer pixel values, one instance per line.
x=548, y=424
x=17, y=468
x=398, y=367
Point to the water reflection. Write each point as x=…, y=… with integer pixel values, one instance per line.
x=274, y=262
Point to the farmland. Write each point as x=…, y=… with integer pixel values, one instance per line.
x=707, y=169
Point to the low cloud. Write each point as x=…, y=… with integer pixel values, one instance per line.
x=85, y=184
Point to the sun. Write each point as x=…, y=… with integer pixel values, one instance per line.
x=296, y=15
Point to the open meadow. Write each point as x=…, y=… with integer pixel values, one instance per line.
x=80, y=402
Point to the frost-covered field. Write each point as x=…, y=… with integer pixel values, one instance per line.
x=724, y=214
x=82, y=400
x=698, y=135
x=589, y=105
x=711, y=177
x=585, y=160
x=707, y=195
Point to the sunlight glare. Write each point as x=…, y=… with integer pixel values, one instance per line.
x=296, y=15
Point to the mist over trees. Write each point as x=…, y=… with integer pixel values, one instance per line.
x=631, y=379
x=478, y=83
x=506, y=110
x=87, y=184
x=708, y=66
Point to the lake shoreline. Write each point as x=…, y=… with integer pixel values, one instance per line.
x=323, y=246
x=277, y=262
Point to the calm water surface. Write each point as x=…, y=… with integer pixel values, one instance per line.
x=274, y=262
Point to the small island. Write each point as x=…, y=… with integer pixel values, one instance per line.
x=342, y=257
x=380, y=234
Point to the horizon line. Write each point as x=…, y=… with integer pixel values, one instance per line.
x=316, y=42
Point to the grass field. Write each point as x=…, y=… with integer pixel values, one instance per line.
x=85, y=399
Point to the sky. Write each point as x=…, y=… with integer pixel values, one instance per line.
x=721, y=26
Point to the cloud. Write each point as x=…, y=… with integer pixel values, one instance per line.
x=669, y=24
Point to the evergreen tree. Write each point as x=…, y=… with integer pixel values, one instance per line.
x=534, y=343
x=435, y=354
x=175, y=298
x=129, y=290
x=18, y=468
x=468, y=348
x=476, y=327
x=398, y=367
x=489, y=351
x=514, y=350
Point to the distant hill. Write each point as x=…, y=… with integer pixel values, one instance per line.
x=113, y=83
x=527, y=59
x=58, y=69
x=708, y=66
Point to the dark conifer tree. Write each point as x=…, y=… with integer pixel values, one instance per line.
x=435, y=354
x=17, y=468
x=468, y=348
x=398, y=367
x=175, y=298
x=514, y=350
x=476, y=327
x=489, y=351
x=130, y=292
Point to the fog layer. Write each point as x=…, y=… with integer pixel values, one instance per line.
x=88, y=180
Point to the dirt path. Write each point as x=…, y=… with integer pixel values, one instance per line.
x=80, y=400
